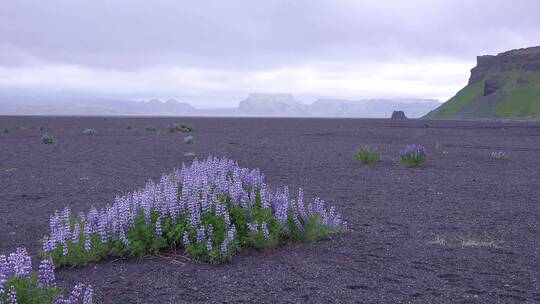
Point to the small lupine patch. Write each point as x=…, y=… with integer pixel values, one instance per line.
x=131, y=126
x=20, y=284
x=47, y=139
x=413, y=155
x=189, y=140
x=5, y=130
x=499, y=155
x=211, y=209
x=367, y=155
x=89, y=132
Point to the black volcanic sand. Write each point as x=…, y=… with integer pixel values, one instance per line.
x=408, y=227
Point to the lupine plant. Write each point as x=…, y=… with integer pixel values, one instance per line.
x=367, y=155
x=189, y=140
x=89, y=132
x=131, y=126
x=413, y=155
x=47, y=139
x=499, y=155
x=211, y=209
x=20, y=285
x=5, y=130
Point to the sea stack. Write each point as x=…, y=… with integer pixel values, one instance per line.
x=398, y=115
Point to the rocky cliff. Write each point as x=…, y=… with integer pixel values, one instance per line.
x=506, y=85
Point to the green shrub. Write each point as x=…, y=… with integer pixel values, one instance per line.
x=367, y=155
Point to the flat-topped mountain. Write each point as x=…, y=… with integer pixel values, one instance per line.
x=506, y=85
x=272, y=105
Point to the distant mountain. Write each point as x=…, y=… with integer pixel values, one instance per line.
x=272, y=105
x=371, y=108
x=285, y=105
x=46, y=105
x=506, y=85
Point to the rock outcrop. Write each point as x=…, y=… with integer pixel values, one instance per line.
x=506, y=85
x=398, y=115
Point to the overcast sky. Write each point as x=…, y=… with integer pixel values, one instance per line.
x=213, y=53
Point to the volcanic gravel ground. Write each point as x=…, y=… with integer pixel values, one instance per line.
x=411, y=230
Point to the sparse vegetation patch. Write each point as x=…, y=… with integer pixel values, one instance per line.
x=89, y=132
x=499, y=155
x=189, y=140
x=47, y=139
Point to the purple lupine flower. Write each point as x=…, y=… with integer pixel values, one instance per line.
x=88, y=295
x=210, y=231
x=123, y=238
x=185, y=239
x=48, y=244
x=12, y=295
x=264, y=228
x=300, y=204
x=76, y=232
x=159, y=232
x=413, y=152
x=76, y=293
x=20, y=263
x=65, y=249
x=201, y=236
x=3, y=280
x=209, y=245
x=5, y=266
x=253, y=228
x=87, y=238
x=224, y=247
x=46, y=276
x=60, y=299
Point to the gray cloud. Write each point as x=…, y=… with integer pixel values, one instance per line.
x=258, y=36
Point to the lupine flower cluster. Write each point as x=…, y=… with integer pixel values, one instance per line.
x=20, y=285
x=47, y=139
x=189, y=140
x=499, y=155
x=211, y=209
x=413, y=155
